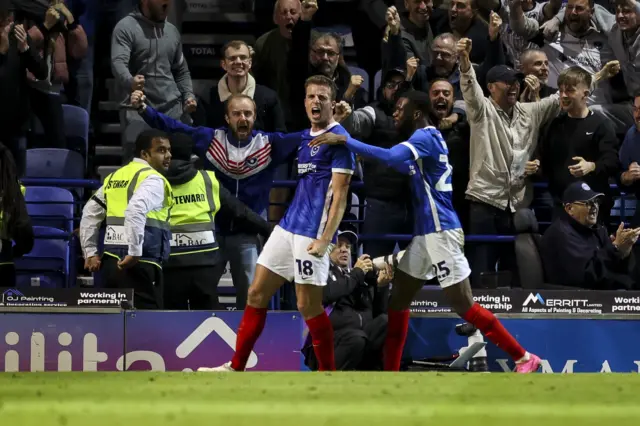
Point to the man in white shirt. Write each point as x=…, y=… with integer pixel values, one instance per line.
x=135, y=200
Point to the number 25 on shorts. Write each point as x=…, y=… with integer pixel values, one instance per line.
x=441, y=270
x=305, y=268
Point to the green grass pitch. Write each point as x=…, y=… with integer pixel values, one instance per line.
x=309, y=399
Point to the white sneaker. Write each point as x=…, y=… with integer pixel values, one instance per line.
x=224, y=368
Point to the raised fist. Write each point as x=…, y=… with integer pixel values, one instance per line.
x=137, y=99
x=495, y=22
x=21, y=38
x=356, y=81
x=393, y=20
x=342, y=111
x=463, y=47
x=412, y=67
x=137, y=83
x=309, y=8
x=611, y=68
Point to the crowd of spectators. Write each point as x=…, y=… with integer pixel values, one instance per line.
x=522, y=91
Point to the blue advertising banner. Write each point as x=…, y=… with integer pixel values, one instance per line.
x=142, y=340
x=565, y=345
x=185, y=341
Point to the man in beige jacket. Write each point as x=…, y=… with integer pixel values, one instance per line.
x=504, y=136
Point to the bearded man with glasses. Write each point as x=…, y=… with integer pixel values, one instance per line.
x=576, y=251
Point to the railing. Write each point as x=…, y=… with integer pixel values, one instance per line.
x=92, y=184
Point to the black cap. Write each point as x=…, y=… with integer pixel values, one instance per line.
x=579, y=191
x=392, y=72
x=181, y=146
x=351, y=236
x=504, y=74
x=348, y=230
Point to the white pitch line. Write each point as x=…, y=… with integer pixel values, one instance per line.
x=313, y=408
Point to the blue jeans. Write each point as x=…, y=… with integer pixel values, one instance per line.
x=241, y=251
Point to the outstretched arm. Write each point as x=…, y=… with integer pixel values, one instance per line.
x=397, y=154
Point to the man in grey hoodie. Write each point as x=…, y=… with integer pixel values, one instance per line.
x=146, y=52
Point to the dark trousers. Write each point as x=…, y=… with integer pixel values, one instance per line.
x=356, y=349
x=48, y=109
x=144, y=278
x=7, y=275
x=488, y=220
x=190, y=288
x=384, y=217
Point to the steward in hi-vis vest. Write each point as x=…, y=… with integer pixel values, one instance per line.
x=198, y=199
x=136, y=202
x=15, y=225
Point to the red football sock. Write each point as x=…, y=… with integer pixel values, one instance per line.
x=249, y=330
x=396, y=336
x=493, y=329
x=321, y=332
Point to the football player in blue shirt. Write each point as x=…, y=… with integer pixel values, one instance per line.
x=436, y=250
x=298, y=248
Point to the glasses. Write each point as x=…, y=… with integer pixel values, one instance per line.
x=321, y=52
x=393, y=85
x=590, y=203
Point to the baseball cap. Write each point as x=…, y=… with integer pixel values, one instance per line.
x=392, y=72
x=504, y=74
x=579, y=191
x=350, y=236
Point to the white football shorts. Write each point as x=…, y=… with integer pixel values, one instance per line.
x=285, y=254
x=438, y=255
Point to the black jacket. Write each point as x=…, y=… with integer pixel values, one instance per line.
x=20, y=231
x=355, y=298
x=181, y=172
x=576, y=256
x=381, y=181
x=592, y=138
x=14, y=95
x=269, y=115
x=300, y=69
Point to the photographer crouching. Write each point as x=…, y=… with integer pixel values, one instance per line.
x=356, y=302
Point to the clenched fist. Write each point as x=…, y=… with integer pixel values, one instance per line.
x=463, y=47
x=611, y=68
x=393, y=20
x=495, y=22
x=137, y=83
x=356, y=81
x=412, y=67
x=190, y=105
x=342, y=111
x=309, y=8
x=137, y=99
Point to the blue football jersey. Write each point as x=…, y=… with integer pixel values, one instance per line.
x=431, y=187
x=308, y=212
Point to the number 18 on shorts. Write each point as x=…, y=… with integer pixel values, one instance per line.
x=286, y=255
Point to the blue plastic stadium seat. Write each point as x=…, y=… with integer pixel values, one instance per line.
x=43, y=212
x=48, y=260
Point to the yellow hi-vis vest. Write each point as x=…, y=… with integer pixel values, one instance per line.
x=6, y=258
x=195, y=205
x=118, y=189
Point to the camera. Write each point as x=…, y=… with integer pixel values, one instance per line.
x=390, y=259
